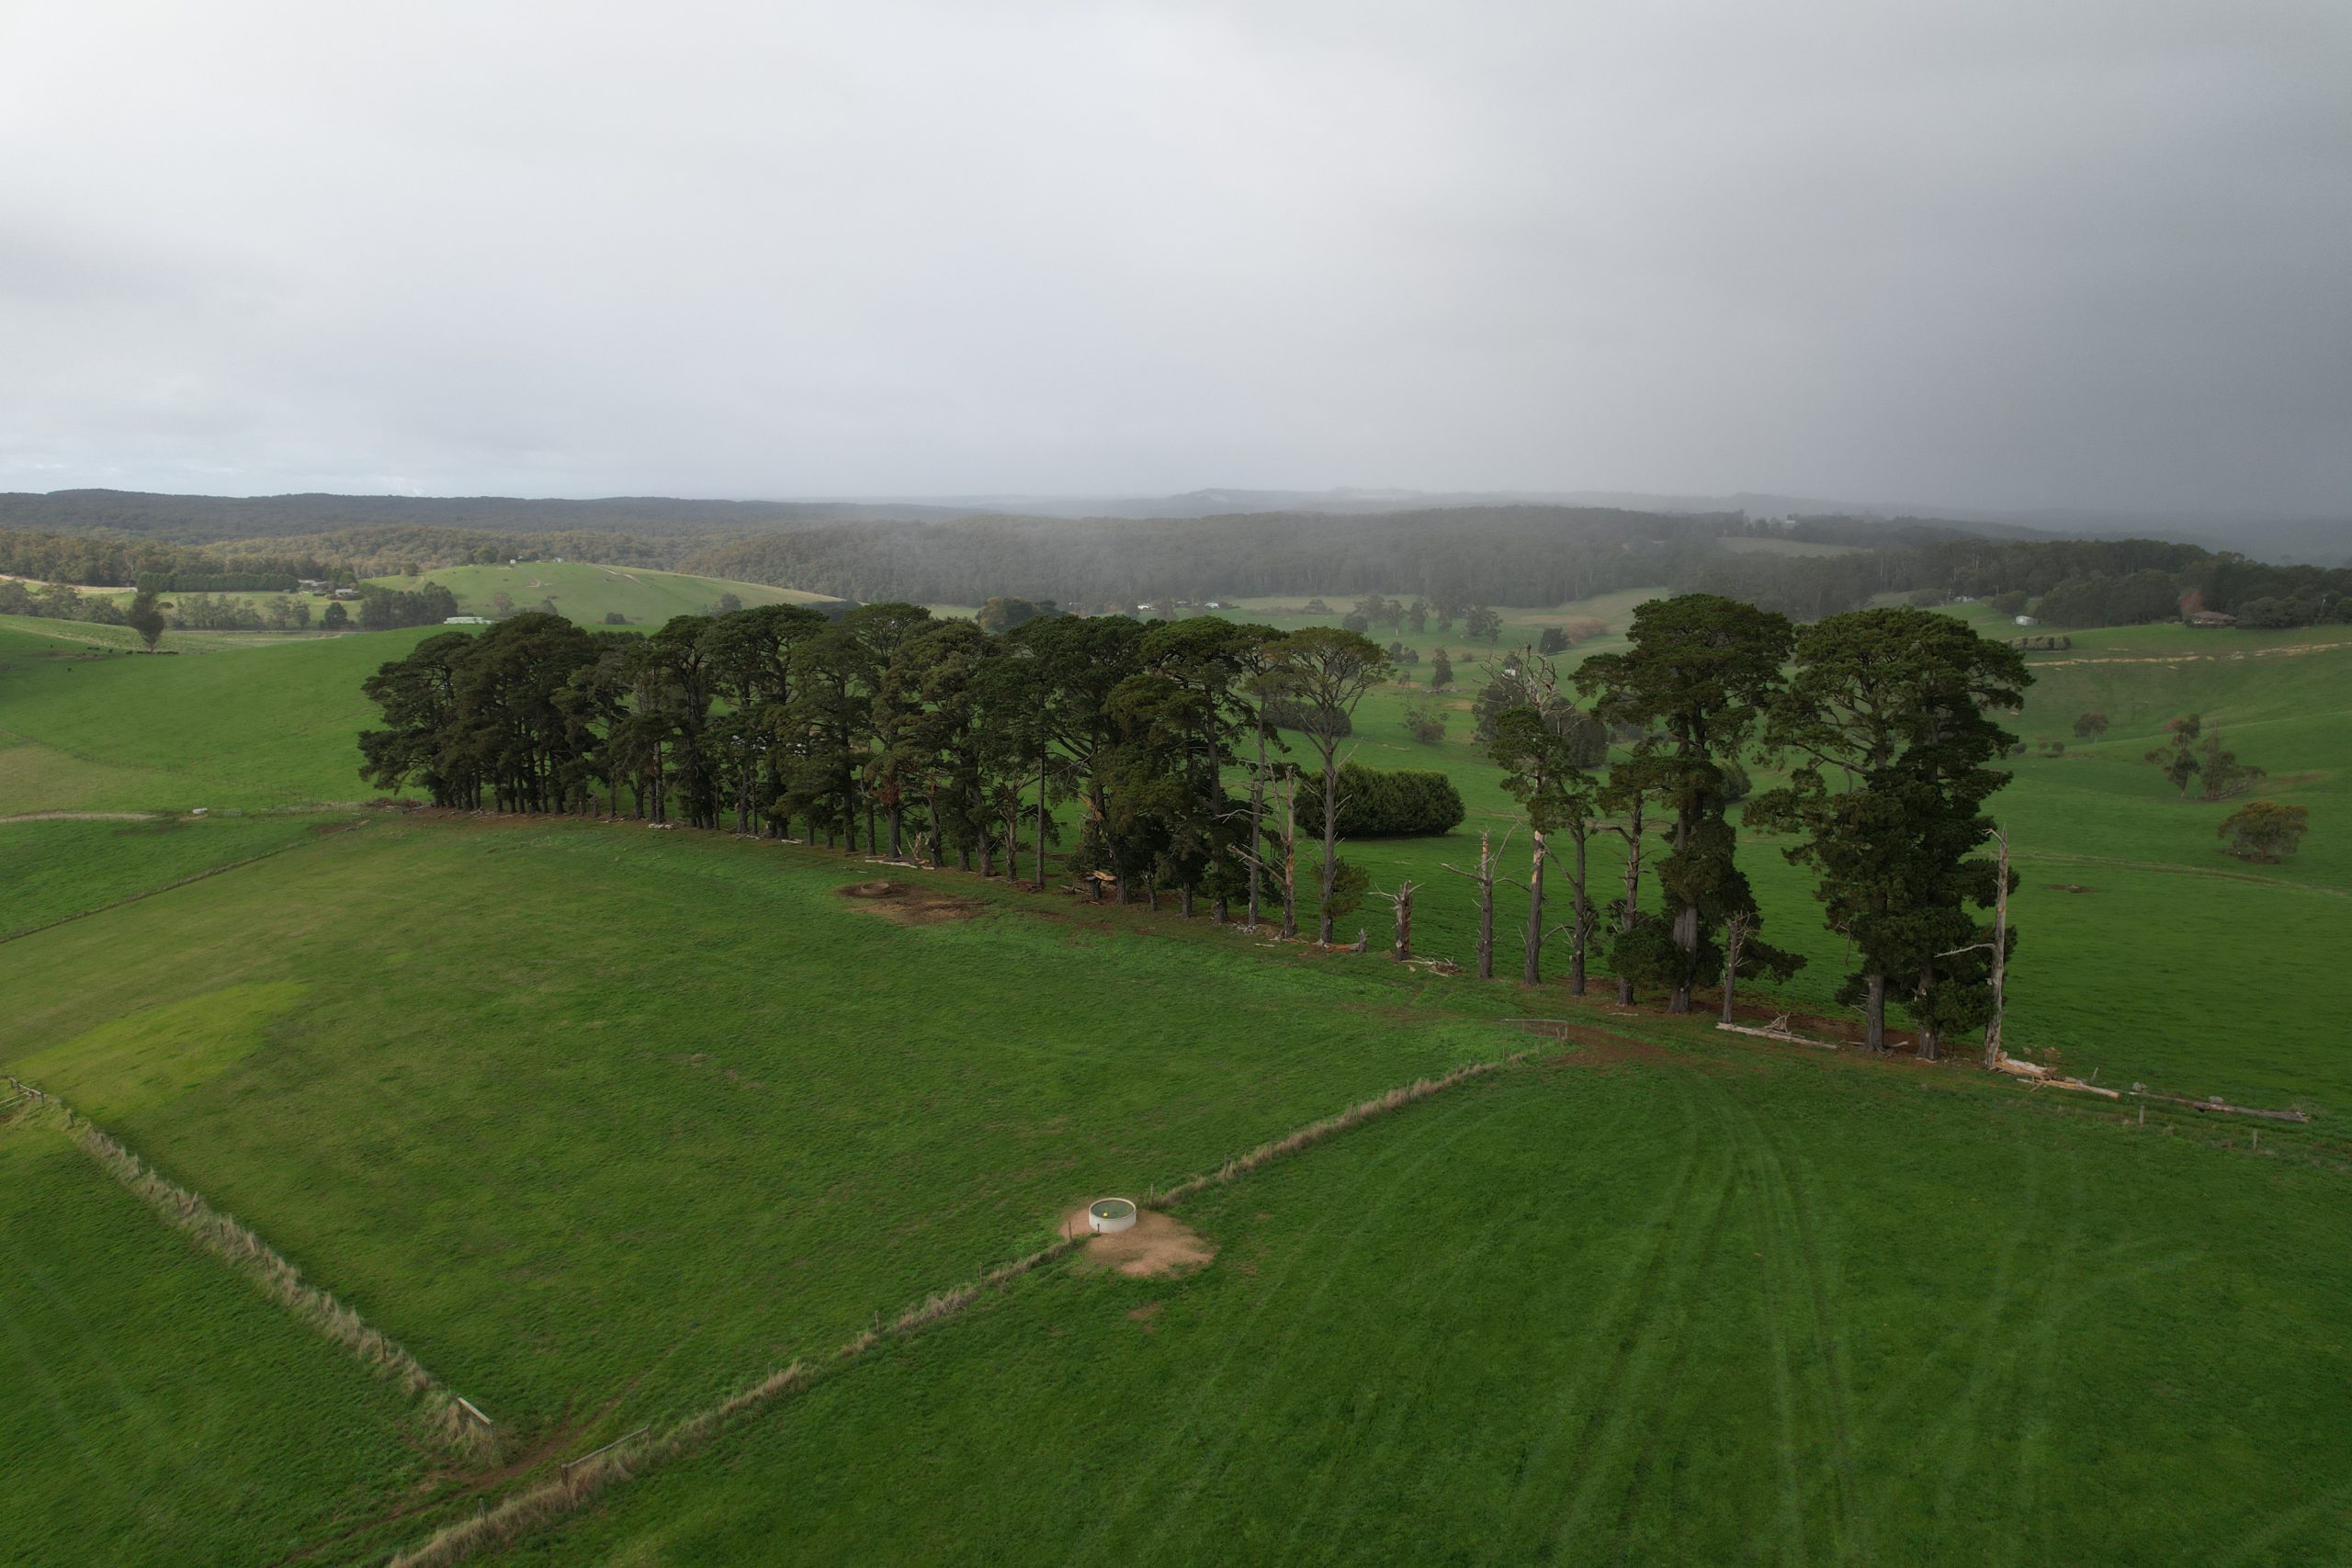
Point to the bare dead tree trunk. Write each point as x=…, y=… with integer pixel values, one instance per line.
x=1285, y=875
x=1484, y=879
x=1735, y=937
x=1580, y=937
x=1330, y=844
x=1400, y=946
x=1630, y=913
x=2000, y=952
x=1290, y=858
x=1930, y=1040
x=1041, y=821
x=1185, y=897
x=1874, y=1014
x=1257, y=822
x=1531, y=953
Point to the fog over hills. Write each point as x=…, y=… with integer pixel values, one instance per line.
x=200, y=519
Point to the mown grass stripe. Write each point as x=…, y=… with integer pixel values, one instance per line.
x=541, y=1506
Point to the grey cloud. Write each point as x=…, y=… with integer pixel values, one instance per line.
x=2072, y=253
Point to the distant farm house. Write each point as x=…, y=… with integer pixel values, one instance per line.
x=2211, y=618
x=2026, y=621
x=466, y=621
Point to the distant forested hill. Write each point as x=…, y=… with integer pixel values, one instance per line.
x=210, y=519
x=1501, y=554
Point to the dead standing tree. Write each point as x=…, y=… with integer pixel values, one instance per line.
x=1283, y=868
x=1736, y=925
x=1629, y=912
x=1484, y=878
x=1400, y=947
x=1997, y=950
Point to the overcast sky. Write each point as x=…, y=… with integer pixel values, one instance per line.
x=2004, y=252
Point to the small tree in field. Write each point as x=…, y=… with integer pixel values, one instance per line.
x=2224, y=774
x=146, y=619
x=1441, y=670
x=2179, y=760
x=2090, y=727
x=337, y=617
x=1554, y=641
x=2264, y=831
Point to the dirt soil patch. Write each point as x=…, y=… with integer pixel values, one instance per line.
x=1599, y=1047
x=1156, y=1247
x=907, y=904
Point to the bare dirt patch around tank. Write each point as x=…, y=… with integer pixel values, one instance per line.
x=1157, y=1246
x=906, y=904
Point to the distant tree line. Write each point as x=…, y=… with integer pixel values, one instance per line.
x=208, y=519
x=388, y=609
x=1495, y=555
x=54, y=601
x=216, y=582
x=933, y=738
x=2069, y=582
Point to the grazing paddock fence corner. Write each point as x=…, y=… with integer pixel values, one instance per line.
x=579, y=1481
x=447, y=1418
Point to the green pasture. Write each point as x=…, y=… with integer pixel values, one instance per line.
x=602, y=1121
x=1702, y=1306
x=693, y=1114
x=587, y=594
x=157, y=1409
x=273, y=725
x=57, y=870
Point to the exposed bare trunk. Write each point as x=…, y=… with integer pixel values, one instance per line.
x=1330, y=841
x=1257, y=820
x=1484, y=879
x=2000, y=954
x=1290, y=861
x=1580, y=934
x=1632, y=911
x=1532, y=955
x=1401, y=946
x=1930, y=1041
x=1734, y=938
x=1874, y=1013
x=1041, y=820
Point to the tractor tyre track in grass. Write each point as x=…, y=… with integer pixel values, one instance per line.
x=1537, y=1497
x=1536, y=1486
x=1819, y=1284
x=1170, y=1502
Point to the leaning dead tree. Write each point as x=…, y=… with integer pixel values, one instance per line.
x=1999, y=950
x=1401, y=946
x=1484, y=879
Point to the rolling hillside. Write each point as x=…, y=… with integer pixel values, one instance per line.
x=588, y=593
x=612, y=1129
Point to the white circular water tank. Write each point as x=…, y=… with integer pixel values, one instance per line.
x=1107, y=1216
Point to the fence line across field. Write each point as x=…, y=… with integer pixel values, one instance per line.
x=616, y=1442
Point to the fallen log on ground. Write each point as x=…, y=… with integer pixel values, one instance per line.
x=2043, y=1078
x=1778, y=1029
x=2215, y=1104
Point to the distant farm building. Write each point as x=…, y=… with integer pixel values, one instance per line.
x=466, y=621
x=2211, y=618
x=2026, y=620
